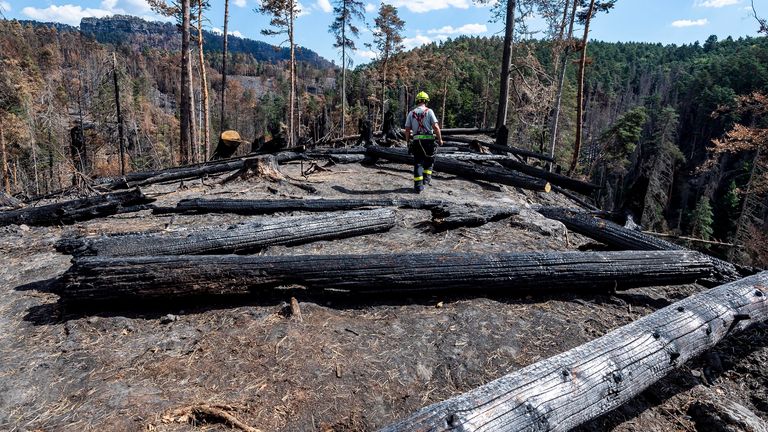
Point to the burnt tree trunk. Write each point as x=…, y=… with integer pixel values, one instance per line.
x=617, y=236
x=466, y=170
x=564, y=391
x=445, y=214
x=563, y=181
x=68, y=212
x=242, y=238
x=183, y=173
x=171, y=277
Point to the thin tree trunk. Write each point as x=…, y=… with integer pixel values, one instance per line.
x=560, y=85
x=292, y=98
x=6, y=173
x=119, y=115
x=185, y=109
x=445, y=96
x=343, y=67
x=580, y=95
x=506, y=64
x=203, y=85
x=222, y=116
x=193, y=135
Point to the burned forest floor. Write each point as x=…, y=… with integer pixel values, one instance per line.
x=347, y=363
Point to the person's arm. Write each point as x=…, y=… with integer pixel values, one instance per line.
x=407, y=127
x=436, y=127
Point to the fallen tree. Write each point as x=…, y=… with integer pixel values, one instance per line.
x=582, y=187
x=445, y=214
x=171, y=277
x=571, y=388
x=467, y=170
x=68, y=212
x=268, y=206
x=617, y=236
x=501, y=148
x=242, y=238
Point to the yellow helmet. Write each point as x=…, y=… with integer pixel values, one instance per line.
x=422, y=97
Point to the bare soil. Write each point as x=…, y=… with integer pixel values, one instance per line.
x=351, y=363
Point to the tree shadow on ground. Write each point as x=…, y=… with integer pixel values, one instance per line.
x=63, y=310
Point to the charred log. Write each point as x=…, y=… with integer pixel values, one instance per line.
x=617, y=236
x=97, y=278
x=72, y=211
x=564, y=391
x=466, y=170
x=242, y=238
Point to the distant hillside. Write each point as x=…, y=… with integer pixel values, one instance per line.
x=128, y=29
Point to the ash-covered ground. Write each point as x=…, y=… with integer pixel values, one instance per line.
x=352, y=363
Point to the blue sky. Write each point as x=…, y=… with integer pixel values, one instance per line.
x=665, y=21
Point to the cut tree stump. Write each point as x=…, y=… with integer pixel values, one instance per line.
x=242, y=238
x=68, y=212
x=171, y=277
x=617, y=236
x=465, y=169
x=566, y=390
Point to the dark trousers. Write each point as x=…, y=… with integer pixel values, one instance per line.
x=423, y=160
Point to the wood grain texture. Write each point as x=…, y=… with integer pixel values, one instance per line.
x=97, y=278
x=571, y=388
x=242, y=238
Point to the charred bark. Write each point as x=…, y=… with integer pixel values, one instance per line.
x=240, y=239
x=566, y=390
x=69, y=212
x=194, y=171
x=617, y=236
x=466, y=170
x=445, y=214
x=582, y=187
x=134, y=278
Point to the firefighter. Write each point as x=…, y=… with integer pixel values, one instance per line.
x=422, y=123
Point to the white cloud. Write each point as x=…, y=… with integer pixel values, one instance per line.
x=325, y=6
x=5, y=6
x=370, y=7
x=241, y=3
x=690, y=23
x=302, y=9
x=138, y=6
x=465, y=29
x=416, y=41
x=109, y=4
x=237, y=34
x=370, y=55
x=67, y=14
x=217, y=31
x=716, y=3
x=422, y=6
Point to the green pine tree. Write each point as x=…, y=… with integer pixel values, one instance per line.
x=701, y=219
